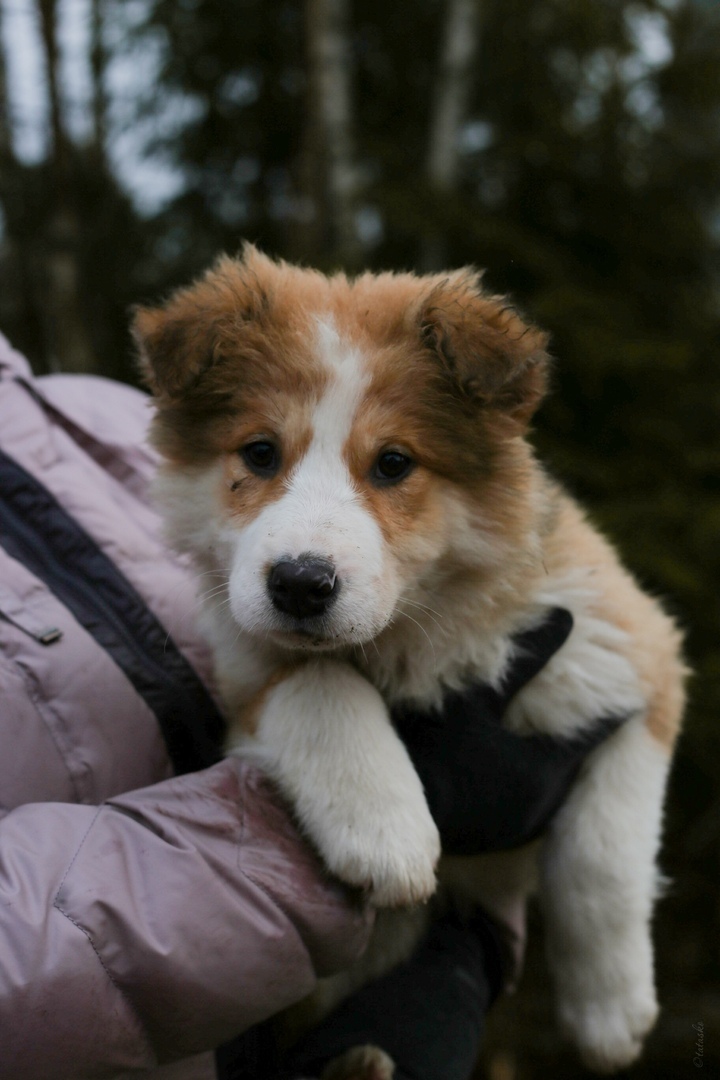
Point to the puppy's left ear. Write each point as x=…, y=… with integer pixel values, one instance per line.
x=492, y=358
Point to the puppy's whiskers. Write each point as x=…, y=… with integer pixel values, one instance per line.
x=218, y=590
x=420, y=627
x=422, y=607
x=432, y=616
x=218, y=572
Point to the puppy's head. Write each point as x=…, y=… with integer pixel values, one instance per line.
x=331, y=446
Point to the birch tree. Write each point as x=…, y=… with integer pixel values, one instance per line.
x=5, y=137
x=98, y=65
x=68, y=341
x=451, y=96
x=329, y=174
x=18, y=262
x=6, y=160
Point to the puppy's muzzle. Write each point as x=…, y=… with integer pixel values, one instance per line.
x=303, y=587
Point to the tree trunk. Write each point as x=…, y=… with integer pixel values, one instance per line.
x=18, y=256
x=5, y=133
x=68, y=341
x=98, y=65
x=7, y=161
x=329, y=175
x=453, y=84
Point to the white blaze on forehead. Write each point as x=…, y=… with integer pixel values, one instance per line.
x=348, y=378
x=322, y=474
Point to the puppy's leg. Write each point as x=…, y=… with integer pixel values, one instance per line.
x=324, y=734
x=361, y=1063
x=599, y=882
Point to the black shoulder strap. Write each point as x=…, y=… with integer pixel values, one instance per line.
x=37, y=531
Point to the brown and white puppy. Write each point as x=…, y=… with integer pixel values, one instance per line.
x=345, y=460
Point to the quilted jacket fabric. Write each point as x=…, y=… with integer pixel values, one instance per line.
x=144, y=918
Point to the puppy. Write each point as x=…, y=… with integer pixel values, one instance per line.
x=346, y=463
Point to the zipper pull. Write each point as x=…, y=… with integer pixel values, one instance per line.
x=47, y=636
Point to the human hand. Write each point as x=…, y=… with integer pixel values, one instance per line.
x=490, y=789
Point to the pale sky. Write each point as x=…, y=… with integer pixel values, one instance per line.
x=130, y=76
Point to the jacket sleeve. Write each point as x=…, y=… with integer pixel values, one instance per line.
x=158, y=925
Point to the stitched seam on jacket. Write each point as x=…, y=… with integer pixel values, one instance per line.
x=143, y=1034
x=262, y=887
x=284, y=911
x=64, y=745
x=104, y=454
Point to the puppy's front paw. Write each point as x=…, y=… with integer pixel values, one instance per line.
x=609, y=1032
x=361, y=1063
x=391, y=851
x=326, y=737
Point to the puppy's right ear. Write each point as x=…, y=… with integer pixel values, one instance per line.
x=175, y=346
x=187, y=337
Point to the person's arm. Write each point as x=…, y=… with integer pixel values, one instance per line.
x=159, y=924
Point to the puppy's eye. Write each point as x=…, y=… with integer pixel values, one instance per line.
x=391, y=467
x=262, y=457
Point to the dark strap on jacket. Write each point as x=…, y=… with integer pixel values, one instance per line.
x=38, y=532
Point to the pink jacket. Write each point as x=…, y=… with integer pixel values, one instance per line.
x=144, y=919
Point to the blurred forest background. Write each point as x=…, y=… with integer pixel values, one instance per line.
x=572, y=147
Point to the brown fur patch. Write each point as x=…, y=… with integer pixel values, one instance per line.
x=664, y=717
x=653, y=641
x=276, y=418
x=411, y=407
x=493, y=357
x=233, y=344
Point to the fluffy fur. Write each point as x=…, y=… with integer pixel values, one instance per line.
x=433, y=571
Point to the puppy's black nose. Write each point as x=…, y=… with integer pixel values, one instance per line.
x=302, y=587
